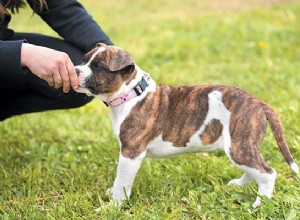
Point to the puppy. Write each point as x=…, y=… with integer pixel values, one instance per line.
x=152, y=120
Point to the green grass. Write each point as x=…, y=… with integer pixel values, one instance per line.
x=59, y=164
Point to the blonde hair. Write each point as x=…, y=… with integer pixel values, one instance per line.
x=14, y=5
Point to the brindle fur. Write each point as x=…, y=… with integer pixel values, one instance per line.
x=212, y=132
x=178, y=112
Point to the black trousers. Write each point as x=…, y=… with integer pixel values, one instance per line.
x=30, y=93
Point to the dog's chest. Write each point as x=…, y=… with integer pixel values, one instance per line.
x=118, y=116
x=120, y=113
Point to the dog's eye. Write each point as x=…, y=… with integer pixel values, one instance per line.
x=95, y=65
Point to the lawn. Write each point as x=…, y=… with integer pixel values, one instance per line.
x=59, y=164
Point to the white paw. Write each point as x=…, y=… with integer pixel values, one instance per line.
x=116, y=198
x=118, y=195
x=257, y=202
x=234, y=182
x=115, y=202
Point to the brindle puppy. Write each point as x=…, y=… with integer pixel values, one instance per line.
x=160, y=121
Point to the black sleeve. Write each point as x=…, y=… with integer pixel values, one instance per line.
x=71, y=21
x=10, y=61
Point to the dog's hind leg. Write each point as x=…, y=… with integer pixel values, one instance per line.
x=255, y=168
x=126, y=172
x=247, y=134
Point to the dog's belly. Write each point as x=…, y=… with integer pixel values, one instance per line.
x=159, y=148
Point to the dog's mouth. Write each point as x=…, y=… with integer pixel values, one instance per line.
x=81, y=89
x=87, y=89
x=82, y=85
x=84, y=90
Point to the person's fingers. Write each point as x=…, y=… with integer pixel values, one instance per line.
x=50, y=81
x=47, y=77
x=72, y=74
x=65, y=79
x=57, y=79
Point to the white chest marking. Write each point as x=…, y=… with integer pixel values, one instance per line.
x=119, y=113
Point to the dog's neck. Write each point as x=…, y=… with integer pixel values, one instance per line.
x=136, y=87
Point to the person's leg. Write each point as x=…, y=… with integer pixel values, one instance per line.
x=34, y=94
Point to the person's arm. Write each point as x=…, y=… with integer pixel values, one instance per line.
x=70, y=20
x=10, y=57
x=53, y=66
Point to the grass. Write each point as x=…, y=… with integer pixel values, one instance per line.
x=59, y=164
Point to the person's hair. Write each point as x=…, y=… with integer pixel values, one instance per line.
x=15, y=5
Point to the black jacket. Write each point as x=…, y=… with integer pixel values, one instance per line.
x=67, y=17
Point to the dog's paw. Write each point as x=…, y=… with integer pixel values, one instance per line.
x=109, y=205
x=116, y=196
x=115, y=202
x=235, y=182
x=245, y=179
x=257, y=202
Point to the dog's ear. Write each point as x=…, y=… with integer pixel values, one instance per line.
x=122, y=62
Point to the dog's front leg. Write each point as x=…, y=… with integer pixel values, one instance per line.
x=126, y=172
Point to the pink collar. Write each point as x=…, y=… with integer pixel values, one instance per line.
x=134, y=92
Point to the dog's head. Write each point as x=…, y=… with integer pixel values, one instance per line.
x=105, y=69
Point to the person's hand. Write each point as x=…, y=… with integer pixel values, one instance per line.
x=53, y=66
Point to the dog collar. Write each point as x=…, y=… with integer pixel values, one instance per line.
x=134, y=92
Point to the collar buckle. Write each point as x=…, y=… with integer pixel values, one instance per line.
x=141, y=86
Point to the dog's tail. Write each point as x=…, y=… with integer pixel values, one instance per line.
x=278, y=132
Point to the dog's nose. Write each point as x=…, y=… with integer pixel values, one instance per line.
x=77, y=71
